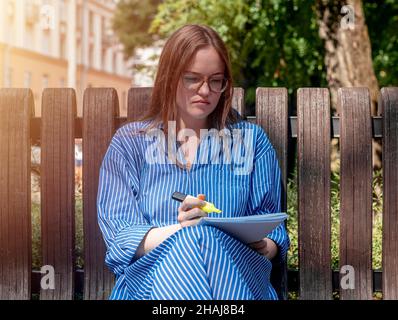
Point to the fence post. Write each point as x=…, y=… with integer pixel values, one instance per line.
x=16, y=109
x=356, y=190
x=388, y=102
x=57, y=170
x=314, y=223
x=100, y=108
x=272, y=115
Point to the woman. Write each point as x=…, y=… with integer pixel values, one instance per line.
x=154, y=244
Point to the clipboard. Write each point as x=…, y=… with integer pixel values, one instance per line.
x=247, y=229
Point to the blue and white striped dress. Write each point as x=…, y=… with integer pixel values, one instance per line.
x=199, y=262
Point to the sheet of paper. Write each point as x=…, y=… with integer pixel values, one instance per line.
x=249, y=228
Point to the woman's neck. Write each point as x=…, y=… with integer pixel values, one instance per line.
x=194, y=124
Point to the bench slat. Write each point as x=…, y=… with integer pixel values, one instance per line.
x=313, y=140
x=388, y=102
x=356, y=190
x=16, y=109
x=100, y=108
x=272, y=115
x=58, y=190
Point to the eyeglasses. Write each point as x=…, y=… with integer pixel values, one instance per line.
x=193, y=81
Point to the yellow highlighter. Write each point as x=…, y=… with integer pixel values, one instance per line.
x=208, y=207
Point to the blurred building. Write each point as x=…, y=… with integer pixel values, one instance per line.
x=61, y=43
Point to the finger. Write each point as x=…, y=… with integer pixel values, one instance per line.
x=201, y=196
x=253, y=244
x=194, y=213
x=185, y=206
x=261, y=248
x=259, y=245
x=191, y=202
x=191, y=214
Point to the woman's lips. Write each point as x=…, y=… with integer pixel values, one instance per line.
x=201, y=102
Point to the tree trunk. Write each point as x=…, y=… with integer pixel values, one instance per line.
x=348, y=53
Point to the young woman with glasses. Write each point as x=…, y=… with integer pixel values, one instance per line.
x=156, y=246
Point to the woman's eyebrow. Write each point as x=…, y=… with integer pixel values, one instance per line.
x=213, y=74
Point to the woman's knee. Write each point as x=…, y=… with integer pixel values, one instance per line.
x=196, y=234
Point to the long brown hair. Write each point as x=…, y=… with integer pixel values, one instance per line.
x=176, y=55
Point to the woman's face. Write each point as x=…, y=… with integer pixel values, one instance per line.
x=197, y=103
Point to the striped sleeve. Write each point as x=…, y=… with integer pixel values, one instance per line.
x=265, y=193
x=122, y=224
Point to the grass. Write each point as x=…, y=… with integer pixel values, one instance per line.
x=79, y=240
x=335, y=225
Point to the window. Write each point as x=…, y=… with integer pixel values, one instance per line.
x=8, y=82
x=104, y=28
x=91, y=56
x=79, y=16
x=124, y=102
x=10, y=9
x=27, y=79
x=103, y=59
x=46, y=42
x=91, y=22
x=62, y=46
x=114, y=62
x=45, y=81
x=63, y=11
x=28, y=37
x=79, y=52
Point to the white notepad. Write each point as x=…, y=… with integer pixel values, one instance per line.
x=249, y=228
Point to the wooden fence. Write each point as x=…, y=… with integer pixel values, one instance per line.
x=313, y=127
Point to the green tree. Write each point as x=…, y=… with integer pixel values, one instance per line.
x=131, y=22
x=271, y=42
x=268, y=42
x=382, y=21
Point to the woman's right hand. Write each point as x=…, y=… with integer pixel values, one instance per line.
x=189, y=213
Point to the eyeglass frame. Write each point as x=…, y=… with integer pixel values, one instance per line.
x=204, y=79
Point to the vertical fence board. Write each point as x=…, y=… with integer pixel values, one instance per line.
x=272, y=115
x=356, y=190
x=388, y=101
x=313, y=139
x=238, y=101
x=57, y=170
x=100, y=107
x=16, y=109
x=139, y=99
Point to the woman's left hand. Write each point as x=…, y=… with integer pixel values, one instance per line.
x=265, y=247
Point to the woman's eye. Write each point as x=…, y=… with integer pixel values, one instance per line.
x=216, y=81
x=192, y=79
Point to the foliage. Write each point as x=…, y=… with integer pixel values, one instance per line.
x=131, y=23
x=36, y=234
x=36, y=237
x=382, y=21
x=271, y=42
x=79, y=248
x=268, y=42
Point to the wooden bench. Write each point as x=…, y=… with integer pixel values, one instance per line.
x=313, y=127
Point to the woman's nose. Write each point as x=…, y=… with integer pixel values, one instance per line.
x=204, y=89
